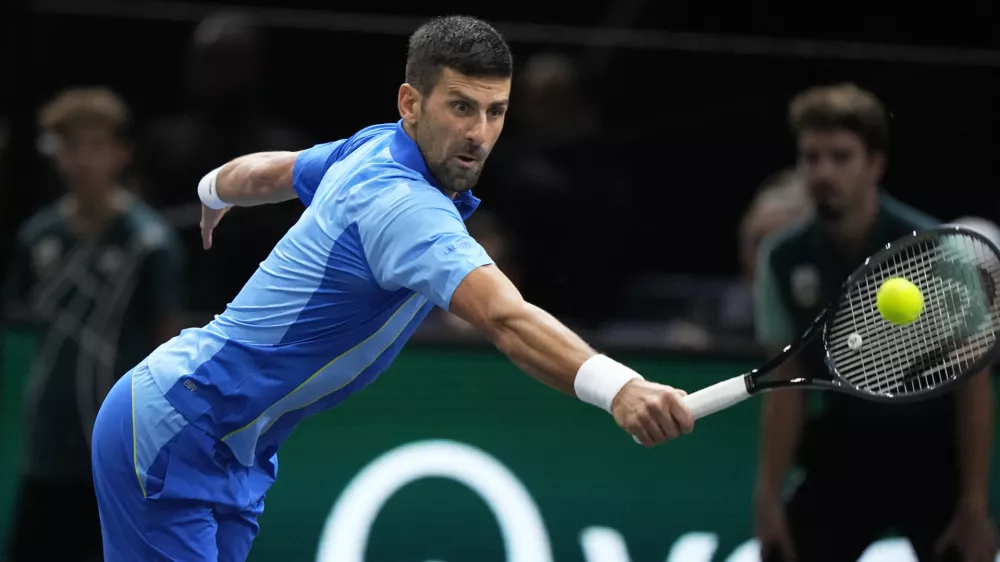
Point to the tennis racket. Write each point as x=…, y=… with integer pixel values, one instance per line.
x=958, y=272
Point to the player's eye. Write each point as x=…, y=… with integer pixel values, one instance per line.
x=496, y=112
x=460, y=106
x=841, y=156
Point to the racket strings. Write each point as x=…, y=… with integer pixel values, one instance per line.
x=927, y=359
x=959, y=277
x=923, y=364
x=923, y=357
x=888, y=340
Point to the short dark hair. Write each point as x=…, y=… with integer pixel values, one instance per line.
x=462, y=43
x=841, y=107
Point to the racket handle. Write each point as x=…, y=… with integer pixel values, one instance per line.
x=717, y=397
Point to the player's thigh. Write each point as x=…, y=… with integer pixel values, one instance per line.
x=833, y=522
x=157, y=531
x=237, y=530
x=133, y=526
x=153, y=530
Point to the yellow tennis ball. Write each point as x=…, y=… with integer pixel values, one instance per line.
x=900, y=301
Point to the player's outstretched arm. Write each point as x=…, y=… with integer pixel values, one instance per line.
x=254, y=179
x=549, y=351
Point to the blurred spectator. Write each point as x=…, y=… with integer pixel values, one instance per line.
x=557, y=183
x=780, y=201
x=553, y=110
x=842, y=138
x=225, y=117
x=97, y=278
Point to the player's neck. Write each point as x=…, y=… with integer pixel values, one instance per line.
x=853, y=231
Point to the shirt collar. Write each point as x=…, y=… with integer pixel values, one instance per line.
x=405, y=151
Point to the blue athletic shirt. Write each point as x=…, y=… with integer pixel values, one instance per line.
x=378, y=245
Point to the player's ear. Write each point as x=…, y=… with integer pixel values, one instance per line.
x=878, y=165
x=125, y=153
x=409, y=104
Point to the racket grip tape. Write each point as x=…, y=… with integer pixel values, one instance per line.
x=717, y=397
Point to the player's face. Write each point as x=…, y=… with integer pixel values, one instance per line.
x=838, y=169
x=458, y=124
x=90, y=160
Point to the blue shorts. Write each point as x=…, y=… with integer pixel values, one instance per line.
x=167, y=490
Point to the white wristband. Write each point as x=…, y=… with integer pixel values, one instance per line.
x=207, y=192
x=600, y=379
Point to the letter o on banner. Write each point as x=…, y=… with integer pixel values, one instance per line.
x=345, y=534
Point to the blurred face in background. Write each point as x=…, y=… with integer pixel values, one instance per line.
x=223, y=65
x=90, y=159
x=222, y=73
x=551, y=105
x=456, y=125
x=775, y=207
x=839, y=171
x=763, y=223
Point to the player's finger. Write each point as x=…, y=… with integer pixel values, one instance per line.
x=986, y=550
x=673, y=407
x=776, y=548
x=653, y=428
x=665, y=421
x=669, y=425
x=640, y=434
x=943, y=542
x=682, y=414
x=206, y=230
x=785, y=544
x=787, y=553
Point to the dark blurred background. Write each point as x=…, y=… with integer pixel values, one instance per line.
x=621, y=194
x=641, y=149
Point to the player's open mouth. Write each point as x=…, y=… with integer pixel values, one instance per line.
x=467, y=161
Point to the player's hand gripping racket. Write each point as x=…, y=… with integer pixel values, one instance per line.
x=957, y=271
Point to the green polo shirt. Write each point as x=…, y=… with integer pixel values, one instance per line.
x=799, y=272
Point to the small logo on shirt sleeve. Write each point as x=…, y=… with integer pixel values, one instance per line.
x=190, y=385
x=460, y=246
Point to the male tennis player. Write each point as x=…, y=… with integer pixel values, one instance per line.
x=869, y=469
x=185, y=445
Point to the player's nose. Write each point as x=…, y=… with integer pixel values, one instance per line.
x=477, y=132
